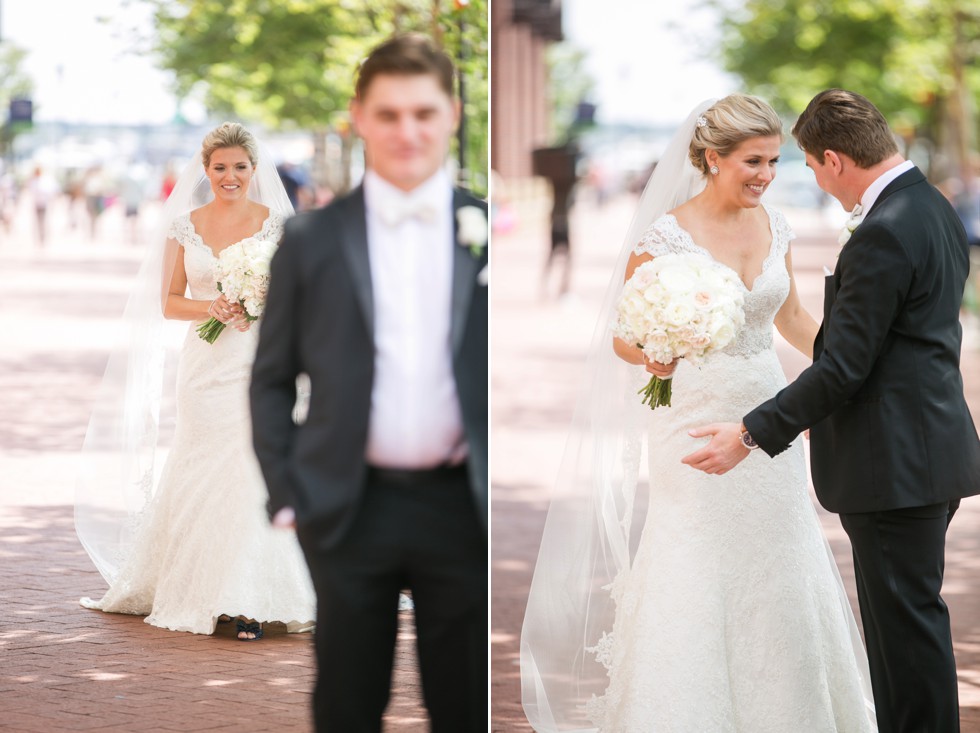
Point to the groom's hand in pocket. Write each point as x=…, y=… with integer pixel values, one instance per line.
x=722, y=453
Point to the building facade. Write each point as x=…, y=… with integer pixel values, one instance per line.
x=521, y=31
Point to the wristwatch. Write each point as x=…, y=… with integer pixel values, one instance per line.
x=747, y=440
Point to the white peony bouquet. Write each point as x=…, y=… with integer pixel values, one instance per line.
x=243, y=277
x=678, y=306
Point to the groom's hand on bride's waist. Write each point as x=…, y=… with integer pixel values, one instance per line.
x=725, y=450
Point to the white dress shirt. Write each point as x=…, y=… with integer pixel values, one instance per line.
x=415, y=420
x=873, y=191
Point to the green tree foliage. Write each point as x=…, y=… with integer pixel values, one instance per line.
x=291, y=63
x=568, y=84
x=464, y=33
x=14, y=83
x=915, y=59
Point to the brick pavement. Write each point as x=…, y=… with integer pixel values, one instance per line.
x=65, y=668
x=539, y=348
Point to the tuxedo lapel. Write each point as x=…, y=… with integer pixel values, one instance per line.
x=355, y=245
x=465, y=267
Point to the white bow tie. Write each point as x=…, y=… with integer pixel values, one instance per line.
x=857, y=214
x=393, y=213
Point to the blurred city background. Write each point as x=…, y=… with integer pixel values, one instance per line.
x=585, y=96
x=103, y=102
x=605, y=83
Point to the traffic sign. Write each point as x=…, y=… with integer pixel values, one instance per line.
x=21, y=110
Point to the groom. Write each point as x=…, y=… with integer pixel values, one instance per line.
x=381, y=299
x=892, y=444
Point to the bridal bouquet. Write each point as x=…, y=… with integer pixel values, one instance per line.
x=678, y=306
x=243, y=277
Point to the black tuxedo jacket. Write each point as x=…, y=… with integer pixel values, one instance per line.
x=889, y=425
x=319, y=320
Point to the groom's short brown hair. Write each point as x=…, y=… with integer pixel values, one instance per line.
x=406, y=54
x=847, y=123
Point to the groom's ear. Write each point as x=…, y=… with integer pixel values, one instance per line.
x=834, y=160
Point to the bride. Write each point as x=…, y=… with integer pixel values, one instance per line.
x=192, y=544
x=721, y=609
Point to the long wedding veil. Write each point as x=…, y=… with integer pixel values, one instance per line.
x=133, y=414
x=594, y=520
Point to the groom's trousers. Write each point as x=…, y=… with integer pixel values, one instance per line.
x=417, y=530
x=899, y=559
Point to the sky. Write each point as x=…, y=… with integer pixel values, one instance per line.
x=85, y=70
x=644, y=57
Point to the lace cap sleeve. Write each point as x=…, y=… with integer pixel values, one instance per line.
x=782, y=232
x=181, y=229
x=273, y=228
x=664, y=236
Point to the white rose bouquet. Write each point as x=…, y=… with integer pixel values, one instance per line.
x=678, y=306
x=243, y=277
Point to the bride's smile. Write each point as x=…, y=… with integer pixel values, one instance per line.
x=230, y=172
x=745, y=173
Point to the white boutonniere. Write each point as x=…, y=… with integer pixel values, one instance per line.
x=855, y=218
x=473, y=229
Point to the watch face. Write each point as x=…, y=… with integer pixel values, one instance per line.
x=748, y=441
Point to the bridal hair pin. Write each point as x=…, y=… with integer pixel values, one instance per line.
x=702, y=121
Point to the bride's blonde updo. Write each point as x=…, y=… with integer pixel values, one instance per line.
x=229, y=135
x=728, y=123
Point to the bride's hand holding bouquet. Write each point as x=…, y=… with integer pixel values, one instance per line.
x=677, y=306
x=243, y=281
x=227, y=312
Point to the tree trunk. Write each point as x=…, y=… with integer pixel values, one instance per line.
x=346, y=148
x=960, y=116
x=321, y=166
x=435, y=28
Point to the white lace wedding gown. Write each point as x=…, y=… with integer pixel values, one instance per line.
x=205, y=546
x=731, y=618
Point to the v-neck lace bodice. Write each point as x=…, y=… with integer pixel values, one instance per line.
x=769, y=290
x=200, y=261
